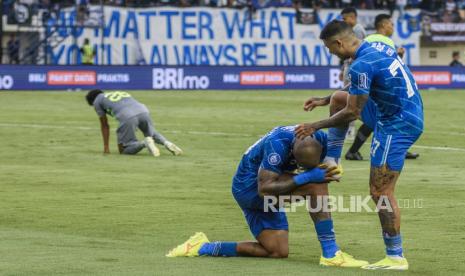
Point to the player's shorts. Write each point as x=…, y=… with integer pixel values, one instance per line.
x=126, y=131
x=257, y=218
x=390, y=149
x=368, y=114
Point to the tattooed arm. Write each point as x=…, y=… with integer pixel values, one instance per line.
x=272, y=183
x=351, y=112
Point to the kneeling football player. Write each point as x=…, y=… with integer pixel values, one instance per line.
x=131, y=115
x=263, y=171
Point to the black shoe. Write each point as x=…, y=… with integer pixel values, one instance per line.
x=354, y=156
x=412, y=155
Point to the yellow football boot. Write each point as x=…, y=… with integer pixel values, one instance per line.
x=190, y=248
x=389, y=263
x=342, y=259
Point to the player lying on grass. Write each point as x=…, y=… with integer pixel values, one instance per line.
x=131, y=115
x=264, y=171
x=384, y=94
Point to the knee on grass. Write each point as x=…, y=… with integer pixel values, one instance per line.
x=279, y=254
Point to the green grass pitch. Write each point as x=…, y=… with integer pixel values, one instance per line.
x=67, y=209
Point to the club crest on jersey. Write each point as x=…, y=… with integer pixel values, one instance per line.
x=274, y=159
x=363, y=80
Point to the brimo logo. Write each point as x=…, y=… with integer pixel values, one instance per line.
x=6, y=82
x=353, y=204
x=171, y=78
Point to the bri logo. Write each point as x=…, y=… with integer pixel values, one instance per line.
x=6, y=82
x=172, y=78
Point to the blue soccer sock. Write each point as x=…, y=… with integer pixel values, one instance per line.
x=219, y=248
x=336, y=137
x=327, y=237
x=393, y=245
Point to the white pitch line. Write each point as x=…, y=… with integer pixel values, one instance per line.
x=438, y=148
x=213, y=133
x=46, y=126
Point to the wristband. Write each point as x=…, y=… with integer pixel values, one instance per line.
x=315, y=175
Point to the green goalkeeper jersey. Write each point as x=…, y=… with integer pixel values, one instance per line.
x=380, y=38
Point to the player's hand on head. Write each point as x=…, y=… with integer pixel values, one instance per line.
x=304, y=130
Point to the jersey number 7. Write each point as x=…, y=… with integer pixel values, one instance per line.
x=398, y=64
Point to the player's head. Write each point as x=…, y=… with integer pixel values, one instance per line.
x=349, y=15
x=90, y=97
x=339, y=38
x=307, y=152
x=456, y=55
x=384, y=25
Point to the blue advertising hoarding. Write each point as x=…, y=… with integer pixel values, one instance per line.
x=22, y=77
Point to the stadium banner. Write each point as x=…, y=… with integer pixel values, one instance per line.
x=23, y=77
x=210, y=36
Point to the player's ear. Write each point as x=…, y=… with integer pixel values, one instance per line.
x=339, y=43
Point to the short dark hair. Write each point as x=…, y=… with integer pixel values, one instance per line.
x=349, y=10
x=455, y=53
x=90, y=97
x=380, y=18
x=333, y=28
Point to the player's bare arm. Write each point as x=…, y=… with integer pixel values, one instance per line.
x=351, y=112
x=313, y=102
x=105, y=128
x=271, y=183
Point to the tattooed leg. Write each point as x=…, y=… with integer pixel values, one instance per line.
x=382, y=184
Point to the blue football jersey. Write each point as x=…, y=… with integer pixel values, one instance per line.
x=380, y=73
x=272, y=152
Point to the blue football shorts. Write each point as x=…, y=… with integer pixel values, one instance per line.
x=390, y=149
x=257, y=217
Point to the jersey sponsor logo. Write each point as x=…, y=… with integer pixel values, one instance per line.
x=6, y=82
x=362, y=80
x=274, y=159
x=438, y=77
x=71, y=78
x=262, y=78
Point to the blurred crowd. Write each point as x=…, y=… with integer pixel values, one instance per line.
x=427, y=5
x=436, y=10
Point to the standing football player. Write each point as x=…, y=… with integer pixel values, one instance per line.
x=382, y=86
x=384, y=29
